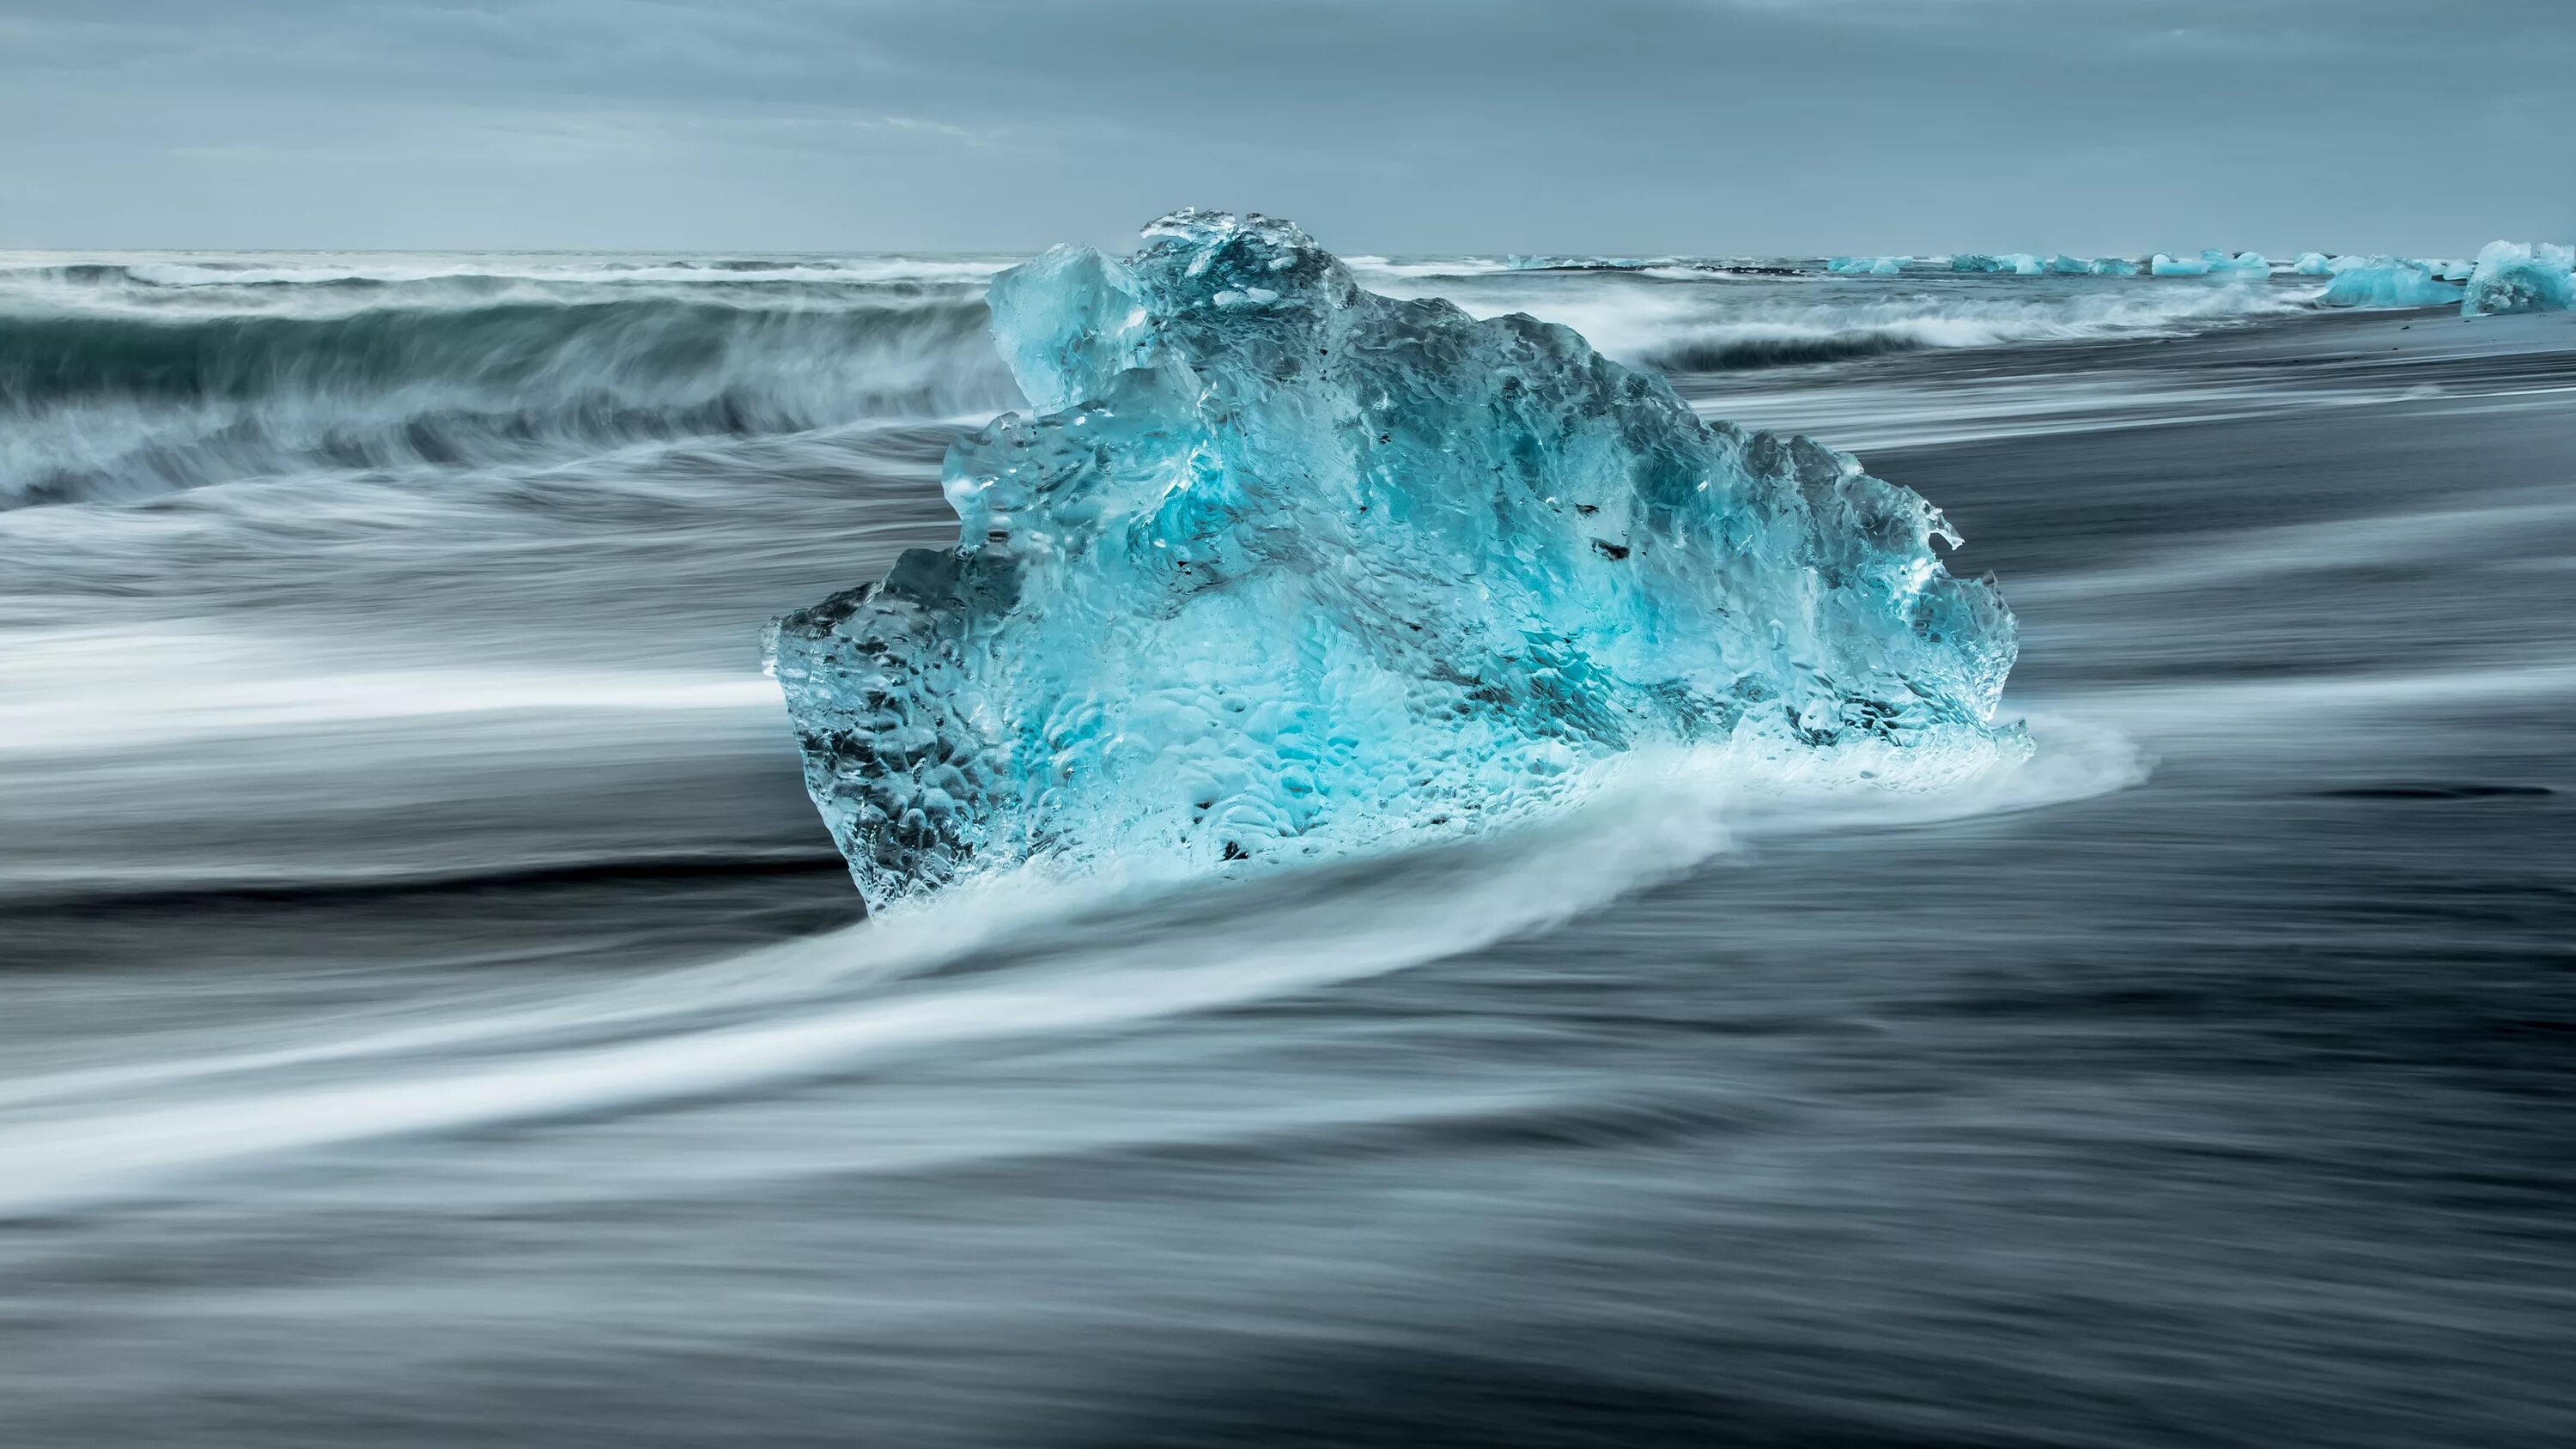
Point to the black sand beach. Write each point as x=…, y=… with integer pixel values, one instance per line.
x=432, y=1004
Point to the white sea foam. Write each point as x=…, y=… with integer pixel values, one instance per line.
x=1714, y=326
x=1051, y=959
x=139, y=373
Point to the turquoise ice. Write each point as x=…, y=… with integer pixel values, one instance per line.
x=2212, y=262
x=2387, y=282
x=2519, y=277
x=1282, y=569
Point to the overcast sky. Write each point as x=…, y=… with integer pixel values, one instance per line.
x=2428, y=126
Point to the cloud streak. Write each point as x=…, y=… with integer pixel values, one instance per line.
x=1622, y=125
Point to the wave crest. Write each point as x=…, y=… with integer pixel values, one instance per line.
x=104, y=404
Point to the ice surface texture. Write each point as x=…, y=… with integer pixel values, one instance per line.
x=2513, y=277
x=1282, y=568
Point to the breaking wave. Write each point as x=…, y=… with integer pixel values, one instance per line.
x=125, y=376
x=106, y=404
x=1730, y=324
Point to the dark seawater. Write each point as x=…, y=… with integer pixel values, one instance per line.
x=433, y=1014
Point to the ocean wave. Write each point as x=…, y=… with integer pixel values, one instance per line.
x=127, y=375
x=109, y=404
x=1416, y=267
x=1687, y=329
x=153, y=270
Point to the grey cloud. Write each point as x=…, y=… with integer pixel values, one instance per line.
x=1622, y=125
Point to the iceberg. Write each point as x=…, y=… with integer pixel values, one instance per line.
x=2063, y=265
x=1281, y=569
x=1867, y=266
x=2212, y=261
x=2514, y=277
x=2388, y=282
x=2114, y=267
x=2017, y=263
x=2314, y=264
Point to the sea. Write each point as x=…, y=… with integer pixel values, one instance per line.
x=432, y=1014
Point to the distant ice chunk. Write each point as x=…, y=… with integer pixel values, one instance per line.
x=1287, y=570
x=2521, y=277
x=2388, y=282
x=2314, y=264
x=2114, y=267
x=2015, y=263
x=2212, y=262
x=1867, y=266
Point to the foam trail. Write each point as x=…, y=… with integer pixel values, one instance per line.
x=1710, y=328
x=954, y=972
x=104, y=403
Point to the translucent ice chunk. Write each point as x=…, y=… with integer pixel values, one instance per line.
x=1286, y=569
x=2017, y=263
x=2515, y=277
x=2388, y=282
